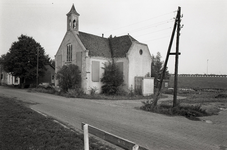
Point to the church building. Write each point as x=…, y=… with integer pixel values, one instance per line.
x=90, y=52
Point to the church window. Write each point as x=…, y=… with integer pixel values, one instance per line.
x=69, y=53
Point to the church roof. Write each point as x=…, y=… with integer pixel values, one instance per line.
x=120, y=45
x=97, y=46
x=73, y=11
x=106, y=47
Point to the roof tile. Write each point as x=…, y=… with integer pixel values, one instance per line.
x=105, y=47
x=97, y=46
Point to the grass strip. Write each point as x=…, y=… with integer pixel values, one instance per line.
x=23, y=128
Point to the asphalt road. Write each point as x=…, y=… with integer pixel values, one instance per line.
x=152, y=131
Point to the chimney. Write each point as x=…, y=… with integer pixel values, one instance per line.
x=102, y=35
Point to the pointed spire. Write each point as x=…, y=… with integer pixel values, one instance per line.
x=73, y=11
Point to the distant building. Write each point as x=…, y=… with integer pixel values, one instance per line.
x=90, y=53
x=8, y=79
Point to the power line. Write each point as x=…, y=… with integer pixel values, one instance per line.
x=141, y=21
x=156, y=39
x=151, y=26
x=155, y=31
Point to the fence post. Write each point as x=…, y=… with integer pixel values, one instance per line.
x=135, y=147
x=86, y=138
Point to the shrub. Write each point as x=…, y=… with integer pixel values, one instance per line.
x=189, y=111
x=112, y=79
x=93, y=91
x=77, y=92
x=71, y=93
x=69, y=77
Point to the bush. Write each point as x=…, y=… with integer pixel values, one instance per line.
x=44, y=89
x=112, y=79
x=93, y=91
x=189, y=111
x=69, y=77
x=77, y=92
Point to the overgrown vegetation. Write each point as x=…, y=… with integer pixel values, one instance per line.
x=195, y=104
x=112, y=79
x=157, y=68
x=22, y=128
x=69, y=77
x=189, y=111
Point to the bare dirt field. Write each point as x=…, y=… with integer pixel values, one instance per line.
x=200, y=82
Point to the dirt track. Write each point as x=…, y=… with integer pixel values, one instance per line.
x=152, y=131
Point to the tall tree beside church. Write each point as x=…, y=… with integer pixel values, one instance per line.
x=157, y=68
x=112, y=78
x=21, y=60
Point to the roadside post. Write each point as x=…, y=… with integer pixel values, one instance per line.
x=136, y=147
x=114, y=139
x=86, y=137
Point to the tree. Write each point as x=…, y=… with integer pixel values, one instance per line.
x=157, y=68
x=2, y=59
x=21, y=60
x=69, y=77
x=112, y=79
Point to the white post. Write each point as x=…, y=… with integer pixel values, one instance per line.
x=135, y=147
x=86, y=138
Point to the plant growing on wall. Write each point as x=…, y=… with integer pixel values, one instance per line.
x=69, y=77
x=112, y=79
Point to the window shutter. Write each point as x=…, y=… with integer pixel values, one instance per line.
x=120, y=66
x=95, y=71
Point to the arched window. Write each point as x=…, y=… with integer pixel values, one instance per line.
x=74, y=24
x=69, y=53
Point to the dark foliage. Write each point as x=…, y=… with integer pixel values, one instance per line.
x=221, y=96
x=21, y=60
x=189, y=111
x=157, y=68
x=112, y=79
x=69, y=77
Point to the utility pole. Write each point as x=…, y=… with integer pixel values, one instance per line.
x=176, y=58
x=176, y=25
x=37, y=69
x=165, y=65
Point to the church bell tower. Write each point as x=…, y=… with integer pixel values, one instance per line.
x=73, y=20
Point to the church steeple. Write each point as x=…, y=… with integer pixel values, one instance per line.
x=73, y=20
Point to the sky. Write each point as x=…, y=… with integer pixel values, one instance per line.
x=203, y=38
